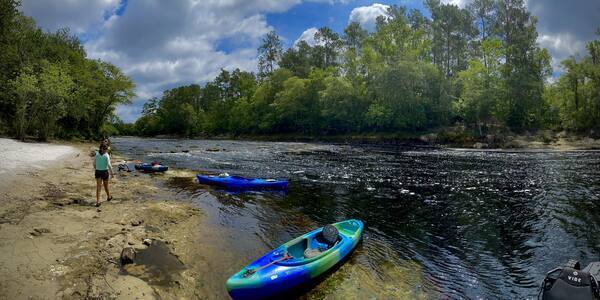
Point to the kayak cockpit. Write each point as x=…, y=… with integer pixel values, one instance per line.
x=307, y=249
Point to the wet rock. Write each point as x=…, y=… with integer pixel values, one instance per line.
x=213, y=149
x=137, y=222
x=185, y=151
x=39, y=231
x=127, y=255
x=147, y=242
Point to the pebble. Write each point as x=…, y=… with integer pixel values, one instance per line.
x=137, y=222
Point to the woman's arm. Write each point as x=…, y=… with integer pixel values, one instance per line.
x=109, y=165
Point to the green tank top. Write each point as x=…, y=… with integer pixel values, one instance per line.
x=102, y=161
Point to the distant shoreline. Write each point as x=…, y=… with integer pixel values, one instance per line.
x=543, y=140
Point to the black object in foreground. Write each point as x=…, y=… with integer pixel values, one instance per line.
x=570, y=282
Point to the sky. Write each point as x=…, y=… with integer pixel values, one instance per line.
x=165, y=44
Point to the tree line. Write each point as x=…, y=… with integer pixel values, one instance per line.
x=48, y=88
x=480, y=66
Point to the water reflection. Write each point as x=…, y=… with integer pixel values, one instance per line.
x=439, y=223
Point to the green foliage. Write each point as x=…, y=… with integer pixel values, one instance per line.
x=574, y=99
x=482, y=85
x=47, y=85
x=480, y=66
x=269, y=53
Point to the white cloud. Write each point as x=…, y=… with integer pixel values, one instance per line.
x=459, y=3
x=367, y=15
x=561, y=45
x=165, y=44
x=308, y=36
x=80, y=16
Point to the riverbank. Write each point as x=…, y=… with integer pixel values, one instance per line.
x=55, y=244
x=454, y=137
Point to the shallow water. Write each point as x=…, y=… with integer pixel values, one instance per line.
x=154, y=264
x=439, y=223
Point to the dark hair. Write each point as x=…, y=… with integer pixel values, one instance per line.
x=103, y=147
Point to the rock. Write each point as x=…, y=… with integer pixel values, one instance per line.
x=131, y=243
x=562, y=134
x=137, y=222
x=428, y=138
x=185, y=151
x=213, y=149
x=480, y=145
x=147, y=242
x=127, y=255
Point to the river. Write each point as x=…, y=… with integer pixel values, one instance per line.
x=439, y=223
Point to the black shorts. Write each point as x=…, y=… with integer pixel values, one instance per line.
x=102, y=174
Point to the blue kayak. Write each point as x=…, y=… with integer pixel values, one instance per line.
x=151, y=168
x=297, y=262
x=243, y=183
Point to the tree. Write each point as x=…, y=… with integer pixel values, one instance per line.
x=452, y=30
x=343, y=105
x=114, y=88
x=27, y=90
x=484, y=13
x=327, y=47
x=526, y=65
x=298, y=59
x=49, y=106
x=481, y=86
x=574, y=98
x=269, y=53
x=354, y=36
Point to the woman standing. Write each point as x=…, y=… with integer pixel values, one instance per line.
x=102, y=167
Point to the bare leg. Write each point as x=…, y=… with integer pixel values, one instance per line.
x=98, y=189
x=107, y=189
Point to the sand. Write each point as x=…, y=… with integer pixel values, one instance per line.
x=54, y=244
x=14, y=155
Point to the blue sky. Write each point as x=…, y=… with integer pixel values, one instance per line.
x=164, y=44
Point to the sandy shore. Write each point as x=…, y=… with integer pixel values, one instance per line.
x=54, y=244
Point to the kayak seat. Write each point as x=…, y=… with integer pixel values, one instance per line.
x=310, y=253
x=322, y=241
x=297, y=250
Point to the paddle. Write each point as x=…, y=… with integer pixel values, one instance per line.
x=249, y=272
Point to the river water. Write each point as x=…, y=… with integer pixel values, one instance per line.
x=439, y=223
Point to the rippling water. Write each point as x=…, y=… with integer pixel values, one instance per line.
x=439, y=223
